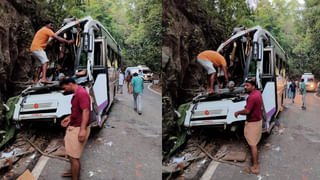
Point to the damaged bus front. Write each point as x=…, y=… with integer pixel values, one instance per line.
x=92, y=61
x=249, y=53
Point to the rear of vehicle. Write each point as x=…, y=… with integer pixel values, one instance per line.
x=131, y=70
x=147, y=73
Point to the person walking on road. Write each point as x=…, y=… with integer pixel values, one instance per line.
x=77, y=125
x=288, y=89
x=137, y=84
x=303, y=93
x=121, y=82
x=38, y=45
x=128, y=79
x=293, y=88
x=253, y=124
x=210, y=60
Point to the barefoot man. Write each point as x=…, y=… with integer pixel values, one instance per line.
x=210, y=60
x=77, y=124
x=253, y=124
x=38, y=46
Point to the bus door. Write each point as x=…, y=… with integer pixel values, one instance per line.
x=112, y=72
x=268, y=81
x=100, y=76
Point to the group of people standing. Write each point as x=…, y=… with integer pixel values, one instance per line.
x=292, y=88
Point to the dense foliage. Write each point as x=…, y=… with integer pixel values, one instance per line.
x=135, y=24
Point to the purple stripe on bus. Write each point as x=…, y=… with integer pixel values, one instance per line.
x=102, y=106
x=271, y=112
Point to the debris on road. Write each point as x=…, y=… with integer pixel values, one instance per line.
x=91, y=173
x=46, y=154
x=276, y=148
x=218, y=160
x=108, y=126
x=99, y=140
x=60, y=152
x=109, y=143
x=267, y=145
x=203, y=161
x=178, y=160
x=26, y=176
x=235, y=156
x=7, y=159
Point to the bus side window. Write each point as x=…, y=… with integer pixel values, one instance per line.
x=266, y=63
x=98, y=54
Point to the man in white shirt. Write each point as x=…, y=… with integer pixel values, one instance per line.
x=121, y=80
x=288, y=89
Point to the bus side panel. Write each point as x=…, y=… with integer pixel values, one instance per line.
x=269, y=100
x=101, y=97
x=112, y=83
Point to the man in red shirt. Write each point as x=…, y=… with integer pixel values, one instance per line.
x=39, y=44
x=210, y=60
x=77, y=124
x=253, y=124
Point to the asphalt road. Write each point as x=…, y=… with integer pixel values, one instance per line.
x=129, y=148
x=293, y=155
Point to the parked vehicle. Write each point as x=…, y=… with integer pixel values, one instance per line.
x=92, y=61
x=132, y=70
x=147, y=73
x=310, y=82
x=249, y=53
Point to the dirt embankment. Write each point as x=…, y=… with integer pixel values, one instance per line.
x=19, y=20
x=188, y=30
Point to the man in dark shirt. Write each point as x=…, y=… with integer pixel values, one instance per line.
x=293, y=88
x=77, y=124
x=253, y=124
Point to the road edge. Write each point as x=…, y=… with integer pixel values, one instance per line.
x=38, y=168
x=149, y=87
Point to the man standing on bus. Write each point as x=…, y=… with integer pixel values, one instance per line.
x=253, y=124
x=137, y=84
x=39, y=44
x=77, y=124
x=211, y=60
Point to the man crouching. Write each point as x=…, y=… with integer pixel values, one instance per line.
x=77, y=131
x=253, y=124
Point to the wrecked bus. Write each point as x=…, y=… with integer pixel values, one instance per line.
x=92, y=61
x=249, y=53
